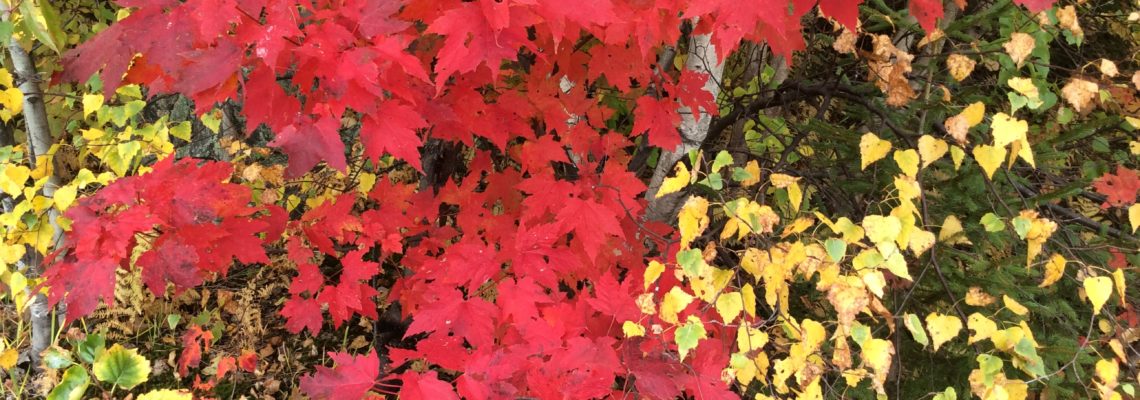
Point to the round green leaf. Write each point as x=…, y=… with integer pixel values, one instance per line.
x=121, y=367
x=72, y=385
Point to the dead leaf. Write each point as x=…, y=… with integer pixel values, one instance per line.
x=1080, y=93
x=1019, y=46
x=960, y=66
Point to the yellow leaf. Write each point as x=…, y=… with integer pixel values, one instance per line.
x=674, y=301
x=960, y=66
x=1098, y=289
x=8, y=358
x=1118, y=280
x=951, y=232
x=749, y=338
x=877, y=354
x=983, y=327
x=632, y=329
x=799, y=225
x=1134, y=216
x=13, y=100
x=693, y=219
x=989, y=158
x=882, y=228
x=1007, y=129
x=957, y=154
x=978, y=298
x=11, y=253
x=1026, y=88
x=781, y=181
x=875, y=281
x=931, y=149
x=6, y=78
x=753, y=170
x=680, y=180
x=166, y=394
x=1013, y=305
x=907, y=161
x=974, y=113
x=872, y=149
x=942, y=328
x=91, y=103
x=1108, y=371
x=729, y=305
x=920, y=242
x=748, y=294
x=64, y=197
x=652, y=272
x=1054, y=270
x=795, y=196
x=13, y=179
x=646, y=304
x=1019, y=46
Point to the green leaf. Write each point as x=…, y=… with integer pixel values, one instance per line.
x=1033, y=363
x=172, y=320
x=6, y=29
x=690, y=261
x=90, y=348
x=860, y=333
x=836, y=249
x=990, y=367
x=914, y=325
x=948, y=394
x=1021, y=225
x=992, y=222
x=740, y=174
x=688, y=335
x=43, y=22
x=56, y=358
x=121, y=367
x=72, y=385
x=722, y=159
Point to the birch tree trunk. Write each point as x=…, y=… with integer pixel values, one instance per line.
x=39, y=144
x=694, y=128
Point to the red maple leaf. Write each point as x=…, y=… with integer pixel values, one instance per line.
x=1119, y=189
x=309, y=141
x=193, y=342
x=591, y=222
x=425, y=386
x=392, y=129
x=660, y=118
x=691, y=92
x=170, y=261
x=301, y=313
x=927, y=12
x=247, y=361
x=350, y=379
x=473, y=319
x=846, y=12
x=1036, y=6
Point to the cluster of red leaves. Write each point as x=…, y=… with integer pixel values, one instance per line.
x=191, y=223
x=521, y=289
x=1120, y=189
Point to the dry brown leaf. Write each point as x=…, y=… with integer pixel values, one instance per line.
x=845, y=43
x=1080, y=93
x=1019, y=46
x=958, y=126
x=961, y=4
x=1136, y=80
x=1067, y=19
x=960, y=66
x=1108, y=68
